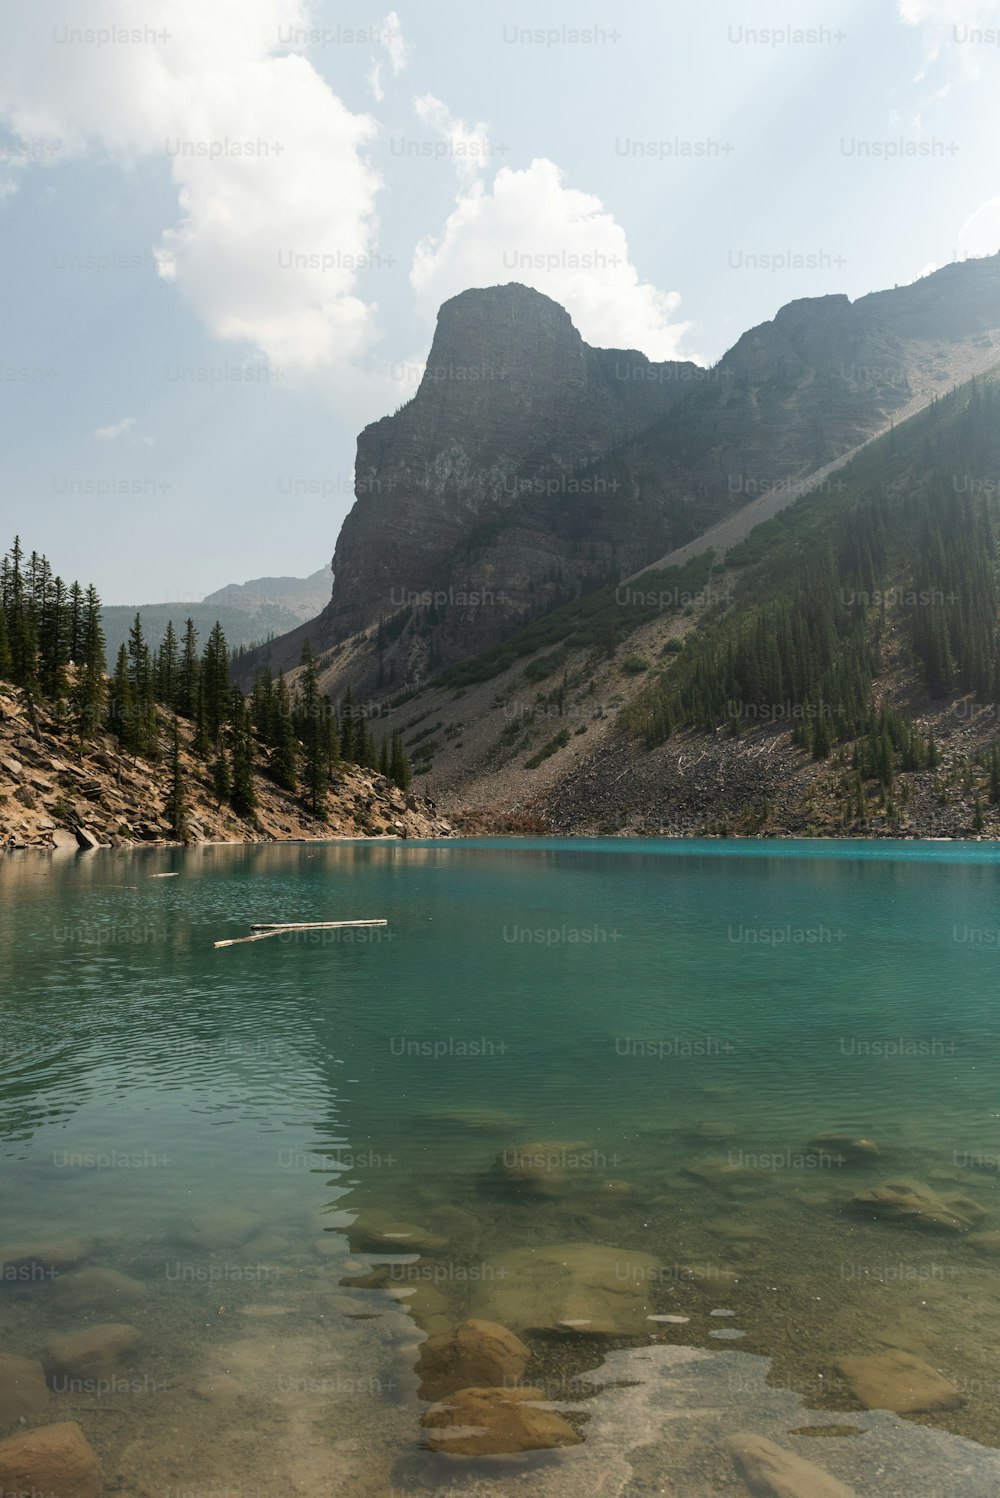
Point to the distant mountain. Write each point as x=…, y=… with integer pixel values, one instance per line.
x=248, y=612
x=529, y=468
x=305, y=596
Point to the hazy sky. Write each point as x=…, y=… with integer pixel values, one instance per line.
x=227, y=225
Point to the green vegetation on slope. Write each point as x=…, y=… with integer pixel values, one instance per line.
x=908, y=538
x=597, y=621
x=52, y=648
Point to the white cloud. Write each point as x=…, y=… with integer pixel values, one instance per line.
x=395, y=44
x=530, y=227
x=943, y=12
x=945, y=26
x=469, y=146
x=277, y=199
x=397, y=50
x=980, y=234
x=115, y=430
x=127, y=427
x=276, y=193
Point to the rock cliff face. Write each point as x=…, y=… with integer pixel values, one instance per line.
x=510, y=397
x=529, y=466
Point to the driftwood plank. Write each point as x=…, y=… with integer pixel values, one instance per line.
x=309, y=925
x=262, y=930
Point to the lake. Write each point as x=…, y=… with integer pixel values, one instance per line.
x=709, y=1125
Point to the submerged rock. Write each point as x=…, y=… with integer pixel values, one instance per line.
x=709, y=1276
x=492, y=1422
x=23, y=1390
x=542, y=1169
x=616, y=1190
x=735, y=1229
x=721, y=1175
x=712, y=1129
x=94, y=1353
x=900, y=1382
x=852, y=1149
x=426, y=1304
x=476, y=1354
x=376, y=1231
x=100, y=1288
x=903, y=1337
x=218, y=1389
x=474, y=1120
x=986, y=1243
x=24, y=1262
x=587, y=1288
x=226, y=1227
x=55, y=1460
x=772, y=1472
x=266, y=1246
x=916, y=1205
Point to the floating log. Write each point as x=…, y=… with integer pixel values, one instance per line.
x=263, y=930
x=309, y=925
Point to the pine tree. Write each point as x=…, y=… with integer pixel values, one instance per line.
x=88, y=694
x=384, y=759
x=53, y=637
x=176, y=810
x=143, y=693
x=167, y=669
x=5, y=656
x=822, y=735
x=215, y=684
x=21, y=634
x=995, y=775
x=189, y=673
x=202, y=745
x=284, y=755
x=243, y=798
x=399, y=764
x=222, y=779
x=77, y=617
x=347, y=736
x=120, y=713
x=365, y=750
x=312, y=732
x=263, y=706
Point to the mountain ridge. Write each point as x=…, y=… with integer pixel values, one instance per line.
x=506, y=489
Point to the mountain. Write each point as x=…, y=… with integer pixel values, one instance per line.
x=248, y=612
x=836, y=674
x=304, y=596
x=529, y=468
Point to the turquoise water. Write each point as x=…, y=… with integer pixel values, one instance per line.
x=236, y=1130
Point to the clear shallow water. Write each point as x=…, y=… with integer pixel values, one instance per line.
x=677, y=1020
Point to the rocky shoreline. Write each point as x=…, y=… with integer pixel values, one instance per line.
x=760, y=785
x=53, y=797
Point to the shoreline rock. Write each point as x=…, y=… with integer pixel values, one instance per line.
x=899, y=1381
x=477, y=1354
x=55, y=1460
x=772, y=1472
x=495, y=1422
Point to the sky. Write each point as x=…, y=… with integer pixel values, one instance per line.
x=226, y=226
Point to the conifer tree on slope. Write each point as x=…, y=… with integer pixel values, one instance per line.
x=88, y=694
x=313, y=733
